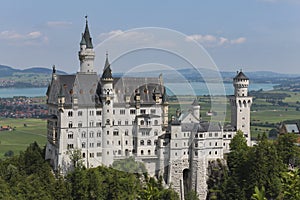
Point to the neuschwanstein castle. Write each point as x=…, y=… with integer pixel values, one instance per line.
x=110, y=118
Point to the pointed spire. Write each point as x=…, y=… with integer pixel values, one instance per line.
x=107, y=71
x=86, y=37
x=195, y=102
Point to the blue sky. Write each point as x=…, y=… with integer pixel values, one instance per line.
x=249, y=34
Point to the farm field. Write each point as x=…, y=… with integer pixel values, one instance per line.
x=25, y=131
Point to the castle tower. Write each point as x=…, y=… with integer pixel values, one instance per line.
x=107, y=97
x=240, y=105
x=86, y=53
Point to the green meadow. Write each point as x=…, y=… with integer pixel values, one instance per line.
x=25, y=131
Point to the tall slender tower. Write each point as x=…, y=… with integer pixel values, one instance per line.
x=86, y=53
x=240, y=105
x=107, y=97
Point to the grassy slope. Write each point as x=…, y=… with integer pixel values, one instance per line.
x=21, y=137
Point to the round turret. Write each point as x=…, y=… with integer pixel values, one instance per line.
x=241, y=84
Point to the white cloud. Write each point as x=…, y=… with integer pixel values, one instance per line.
x=213, y=41
x=126, y=35
x=238, y=40
x=54, y=24
x=31, y=38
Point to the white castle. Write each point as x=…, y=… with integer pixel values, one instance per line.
x=111, y=118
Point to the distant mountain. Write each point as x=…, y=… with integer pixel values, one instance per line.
x=9, y=71
x=202, y=74
x=31, y=77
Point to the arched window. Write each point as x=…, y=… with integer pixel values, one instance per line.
x=142, y=142
x=142, y=152
x=142, y=122
x=148, y=142
x=155, y=122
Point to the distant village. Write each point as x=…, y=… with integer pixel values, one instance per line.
x=23, y=107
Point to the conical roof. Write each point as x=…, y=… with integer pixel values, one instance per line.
x=86, y=37
x=241, y=75
x=107, y=71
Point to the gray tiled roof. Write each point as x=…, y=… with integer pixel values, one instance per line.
x=241, y=75
x=87, y=88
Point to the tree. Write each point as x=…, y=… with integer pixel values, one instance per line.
x=287, y=150
x=259, y=194
x=291, y=184
x=76, y=158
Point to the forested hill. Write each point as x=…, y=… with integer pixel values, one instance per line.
x=30, y=77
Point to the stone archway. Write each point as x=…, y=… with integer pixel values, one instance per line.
x=186, y=177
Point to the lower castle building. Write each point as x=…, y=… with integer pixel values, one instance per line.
x=110, y=118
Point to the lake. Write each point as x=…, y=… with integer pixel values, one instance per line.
x=192, y=88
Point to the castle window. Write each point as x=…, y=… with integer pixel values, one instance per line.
x=142, y=142
x=119, y=152
x=155, y=142
x=70, y=146
x=70, y=114
x=99, y=134
x=224, y=144
x=91, y=124
x=83, y=155
x=108, y=121
x=91, y=155
x=70, y=124
x=79, y=124
x=142, y=152
x=209, y=143
x=132, y=112
x=70, y=136
x=210, y=135
x=98, y=124
x=126, y=122
x=107, y=152
x=196, y=153
x=246, y=135
x=119, y=142
x=98, y=112
x=216, y=144
x=216, y=134
x=116, y=133
x=224, y=136
x=83, y=145
x=142, y=122
x=126, y=132
x=175, y=144
x=107, y=142
x=196, y=144
x=91, y=113
x=122, y=112
x=155, y=132
x=216, y=152
x=149, y=152
x=119, y=122
x=153, y=111
x=175, y=153
x=113, y=112
x=99, y=154
x=209, y=153
x=91, y=145
x=201, y=135
x=99, y=144
x=155, y=122
x=91, y=134
x=229, y=136
x=126, y=142
x=148, y=142
x=196, y=135
x=83, y=135
x=143, y=111
x=107, y=132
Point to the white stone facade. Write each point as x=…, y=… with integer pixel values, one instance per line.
x=112, y=118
